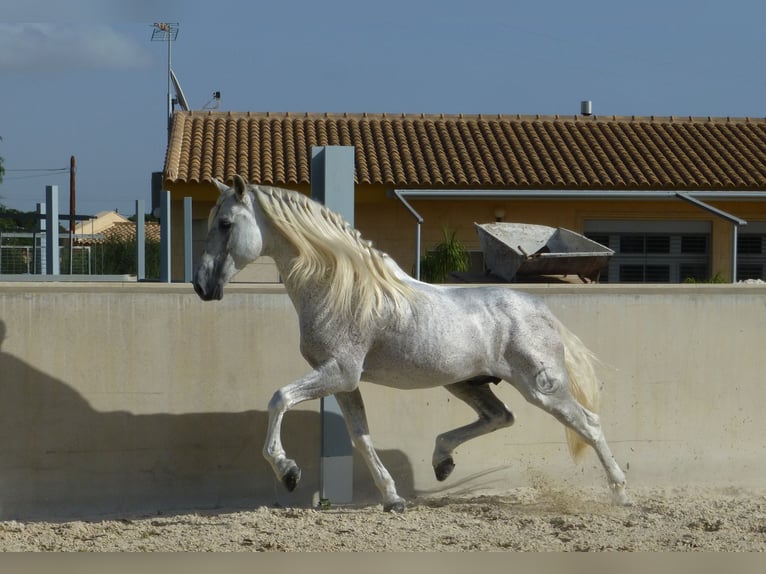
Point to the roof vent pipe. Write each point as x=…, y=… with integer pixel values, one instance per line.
x=585, y=107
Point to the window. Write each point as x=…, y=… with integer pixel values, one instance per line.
x=658, y=243
x=750, y=245
x=653, y=251
x=632, y=243
x=694, y=244
x=751, y=252
x=749, y=271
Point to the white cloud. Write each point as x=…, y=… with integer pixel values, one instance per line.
x=47, y=47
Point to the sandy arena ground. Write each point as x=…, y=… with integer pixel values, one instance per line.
x=524, y=519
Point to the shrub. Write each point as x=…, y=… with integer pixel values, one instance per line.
x=448, y=256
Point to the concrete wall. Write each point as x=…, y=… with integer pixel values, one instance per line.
x=129, y=398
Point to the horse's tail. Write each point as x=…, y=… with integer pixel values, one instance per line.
x=583, y=382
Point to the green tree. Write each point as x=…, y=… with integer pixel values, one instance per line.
x=115, y=257
x=15, y=220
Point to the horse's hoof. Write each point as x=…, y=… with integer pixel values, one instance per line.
x=620, y=497
x=444, y=469
x=291, y=477
x=397, y=506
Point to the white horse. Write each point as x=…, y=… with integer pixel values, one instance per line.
x=362, y=318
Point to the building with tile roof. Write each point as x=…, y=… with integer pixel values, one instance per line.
x=111, y=226
x=614, y=178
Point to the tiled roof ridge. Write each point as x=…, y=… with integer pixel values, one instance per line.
x=476, y=150
x=470, y=117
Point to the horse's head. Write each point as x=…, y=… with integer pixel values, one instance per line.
x=233, y=240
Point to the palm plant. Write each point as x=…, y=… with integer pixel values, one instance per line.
x=447, y=256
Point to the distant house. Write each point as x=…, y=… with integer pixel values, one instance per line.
x=109, y=226
x=615, y=179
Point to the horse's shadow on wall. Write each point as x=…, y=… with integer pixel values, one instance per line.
x=60, y=458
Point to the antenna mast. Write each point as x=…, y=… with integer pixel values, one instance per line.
x=167, y=32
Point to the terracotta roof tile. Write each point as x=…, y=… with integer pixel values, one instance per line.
x=476, y=151
x=122, y=231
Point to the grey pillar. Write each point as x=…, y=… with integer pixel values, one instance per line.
x=52, y=264
x=332, y=183
x=734, y=243
x=187, y=239
x=164, y=236
x=42, y=250
x=140, y=240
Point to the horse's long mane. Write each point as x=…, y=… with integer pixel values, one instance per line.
x=357, y=280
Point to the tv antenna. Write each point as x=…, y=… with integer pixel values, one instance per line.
x=167, y=32
x=180, y=99
x=182, y=102
x=214, y=102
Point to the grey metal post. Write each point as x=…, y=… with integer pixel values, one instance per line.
x=735, y=221
x=52, y=264
x=43, y=249
x=332, y=183
x=187, y=239
x=165, y=236
x=140, y=241
x=419, y=219
x=734, y=242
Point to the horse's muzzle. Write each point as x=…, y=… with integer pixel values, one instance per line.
x=199, y=290
x=209, y=277
x=208, y=295
x=206, y=288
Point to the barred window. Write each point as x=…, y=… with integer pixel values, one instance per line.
x=654, y=252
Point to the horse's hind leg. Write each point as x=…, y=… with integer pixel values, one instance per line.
x=352, y=406
x=493, y=415
x=549, y=390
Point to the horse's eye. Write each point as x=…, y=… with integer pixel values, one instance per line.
x=224, y=224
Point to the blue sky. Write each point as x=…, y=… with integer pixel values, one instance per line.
x=86, y=80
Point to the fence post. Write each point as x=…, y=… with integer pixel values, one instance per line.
x=52, y=264
x=140, y=241
x=187, y=239
x=165, y=236
x=39, y=253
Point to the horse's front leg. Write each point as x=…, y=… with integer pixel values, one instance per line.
x=327, y=379
x=352, y=406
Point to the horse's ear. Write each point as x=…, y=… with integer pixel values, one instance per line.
x=220, y=185
x=240, y=186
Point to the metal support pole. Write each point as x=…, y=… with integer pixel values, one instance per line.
x=52, y=264
x=734, y=244
x=417, y=247
x=42, y=251
x=400, y=196
x=170, y=96
x=733, y=219
x=72, y=206
x=140, y=241
x=332, y=183
x=187, y=239
x=165, y=236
